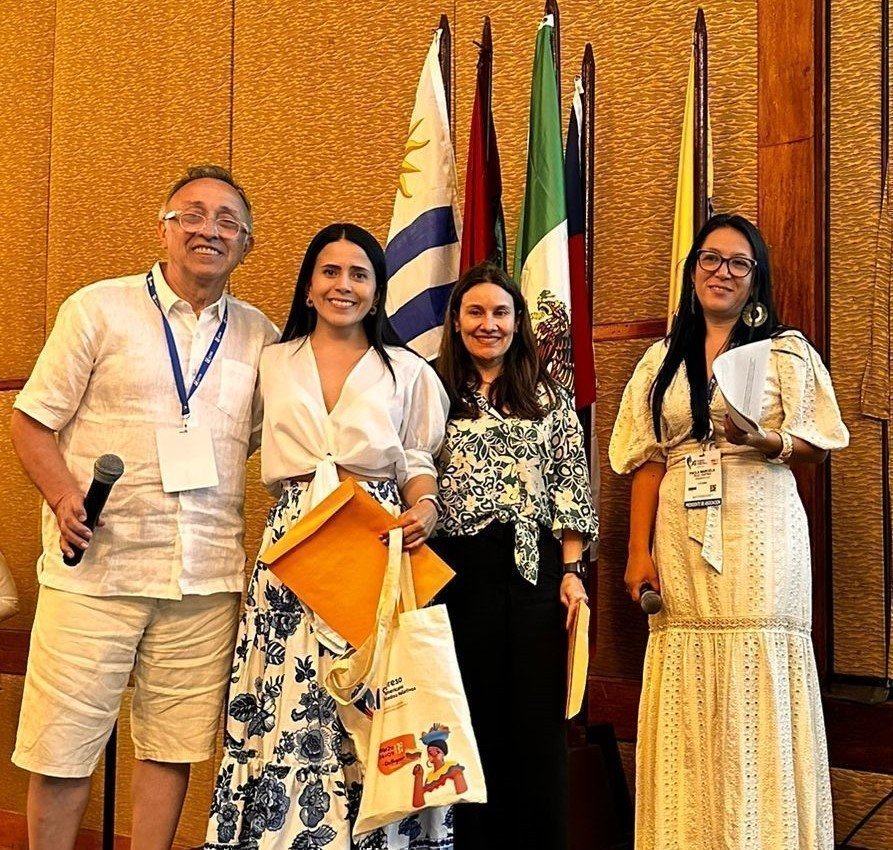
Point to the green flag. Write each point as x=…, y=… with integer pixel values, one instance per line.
x=541, y=258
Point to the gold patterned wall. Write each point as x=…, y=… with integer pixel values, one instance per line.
x=857, y=544
x=102, y=104
x=857, y=530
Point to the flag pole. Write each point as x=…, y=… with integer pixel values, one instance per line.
x=587, y=134
x=485, y=61
x=109, y=784
x=885, y=423
x=701, y=129
x=445, y=56
x=552, y=9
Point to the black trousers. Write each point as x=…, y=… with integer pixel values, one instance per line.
x=512, y=651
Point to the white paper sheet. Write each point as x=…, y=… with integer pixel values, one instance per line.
x=741, y=377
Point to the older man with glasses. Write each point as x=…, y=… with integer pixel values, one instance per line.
x=159, y=368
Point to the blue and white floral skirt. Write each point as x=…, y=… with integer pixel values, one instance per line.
x=290, y=779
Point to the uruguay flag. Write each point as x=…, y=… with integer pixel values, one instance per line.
x=423, y=245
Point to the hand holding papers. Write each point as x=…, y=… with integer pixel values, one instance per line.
x=334, y=561
x=741, y=377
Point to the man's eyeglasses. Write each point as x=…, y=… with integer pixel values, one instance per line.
x=193, y=222
x=712, y=262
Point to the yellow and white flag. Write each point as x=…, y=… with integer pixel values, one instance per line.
x=683, y=218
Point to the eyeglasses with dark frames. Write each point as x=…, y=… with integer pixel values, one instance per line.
x=711, y=261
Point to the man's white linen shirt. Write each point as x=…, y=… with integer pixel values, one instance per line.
x=104, y=382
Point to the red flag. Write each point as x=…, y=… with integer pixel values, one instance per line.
x=581, y=300
x=483, y=225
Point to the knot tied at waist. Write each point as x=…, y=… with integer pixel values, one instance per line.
x=325, y=478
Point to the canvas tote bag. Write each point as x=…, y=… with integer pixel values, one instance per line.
x=406, y=707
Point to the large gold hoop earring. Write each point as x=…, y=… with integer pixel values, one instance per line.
x=754, y=314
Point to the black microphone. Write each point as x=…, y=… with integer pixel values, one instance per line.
x=650, y=599
x=106, y=471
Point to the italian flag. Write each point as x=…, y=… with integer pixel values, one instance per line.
x=541, y=250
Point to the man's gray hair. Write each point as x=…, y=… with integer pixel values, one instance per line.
x=214, y=172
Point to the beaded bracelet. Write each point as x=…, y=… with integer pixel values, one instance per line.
x=787, y=448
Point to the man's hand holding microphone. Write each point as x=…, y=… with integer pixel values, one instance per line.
x=77, y=515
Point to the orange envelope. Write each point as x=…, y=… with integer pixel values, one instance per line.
x=577, y=660
x=334, y=561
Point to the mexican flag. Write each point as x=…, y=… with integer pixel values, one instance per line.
x=541, y=250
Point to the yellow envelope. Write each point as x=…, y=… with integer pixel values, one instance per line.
x=334, y=561
x=577, y=660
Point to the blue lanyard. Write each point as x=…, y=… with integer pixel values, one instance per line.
x=175, y=357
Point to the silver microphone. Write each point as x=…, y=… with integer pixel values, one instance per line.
x=650, y=600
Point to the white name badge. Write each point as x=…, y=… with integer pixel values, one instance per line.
x=186, y=458
x=703, y=479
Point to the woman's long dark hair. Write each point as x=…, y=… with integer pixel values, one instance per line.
x=688, y=334
x=302, y=318
x=516, y=390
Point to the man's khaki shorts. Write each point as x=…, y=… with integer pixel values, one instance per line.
x=83, y=650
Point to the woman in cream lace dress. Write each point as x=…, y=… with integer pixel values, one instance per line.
x=731, y=744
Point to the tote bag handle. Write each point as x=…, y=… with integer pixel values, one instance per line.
x=407, y=585
x=357, y=668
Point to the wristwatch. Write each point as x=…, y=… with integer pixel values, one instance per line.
x=579, y=568
x=434, y=499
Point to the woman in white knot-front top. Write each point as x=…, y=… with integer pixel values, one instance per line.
x=342, y=397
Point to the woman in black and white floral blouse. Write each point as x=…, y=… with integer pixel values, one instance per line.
x=517, y=513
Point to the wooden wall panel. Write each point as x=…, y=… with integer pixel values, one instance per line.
x=621, y=627
x=783, y=197
x=855, y=794
x=857, y=542
x=14, y=781
x=20, y=528
x=26, y=86
x=787, y=61
x=139, y=92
